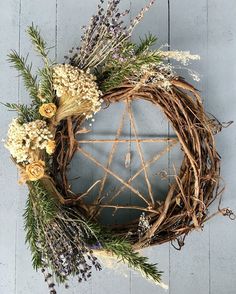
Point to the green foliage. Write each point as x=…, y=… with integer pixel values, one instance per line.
x=40, y=209
x=32, y=233
x=45, y=89
x=45, y=204
x=30, y=81
x=126, y=62
x=37, y=41
x=25, y=113
x=123, y=250
x=145, y=44
x=46, y=85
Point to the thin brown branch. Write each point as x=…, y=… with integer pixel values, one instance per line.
x=154, y=140
x=114, y=146
x=140, y=154
x=136, y=192
x=141, y=208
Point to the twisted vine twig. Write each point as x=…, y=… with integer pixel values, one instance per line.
x=197, y=183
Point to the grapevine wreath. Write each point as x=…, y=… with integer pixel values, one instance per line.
x=62, y=230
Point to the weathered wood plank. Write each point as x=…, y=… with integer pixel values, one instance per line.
x=114, y=277
x=189, y=269
x=9, y=16
x=43, y=14
x=221, y=102
x=151, y=121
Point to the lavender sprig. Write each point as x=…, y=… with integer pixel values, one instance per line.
x=104, y=34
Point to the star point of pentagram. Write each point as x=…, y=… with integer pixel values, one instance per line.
x=149, y=202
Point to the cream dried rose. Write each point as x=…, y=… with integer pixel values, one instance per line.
x=48, y=110
x=35, y=171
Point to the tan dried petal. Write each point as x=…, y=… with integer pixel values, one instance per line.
x=51, y=146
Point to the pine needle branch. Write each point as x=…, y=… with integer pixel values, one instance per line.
x=46, y=83
x=120, y=71
x=30, y=81
x=32, y=234
x=145, y=44
x=123, y=250
x=38, y=42
x=25, y=113
x=40, y=209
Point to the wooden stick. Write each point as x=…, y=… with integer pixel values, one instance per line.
x=113, y=149
x=126, y=207
x=153, y=160
x=86, y=154
x=89, y=189
x=156, y=140
x=140, y=154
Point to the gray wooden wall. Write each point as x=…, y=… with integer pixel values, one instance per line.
x=207, y=263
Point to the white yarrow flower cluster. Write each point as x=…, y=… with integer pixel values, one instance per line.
x=72, y=83
x=181, y=56
x=22, y=139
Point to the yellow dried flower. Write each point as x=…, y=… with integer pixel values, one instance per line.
x=35, y=171
x=48, y=110
x=51, y=146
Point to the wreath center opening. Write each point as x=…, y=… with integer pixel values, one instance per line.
x=126, y=160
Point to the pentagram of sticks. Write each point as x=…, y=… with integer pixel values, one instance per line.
x=126, y=184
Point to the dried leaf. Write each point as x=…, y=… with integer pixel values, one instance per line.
x=177, y=200
x=83, y=131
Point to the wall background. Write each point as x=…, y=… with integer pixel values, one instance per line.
x=207, y=263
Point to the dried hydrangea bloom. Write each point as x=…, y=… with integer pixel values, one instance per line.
x=24, y=139
x=77, y=90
